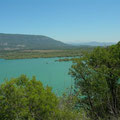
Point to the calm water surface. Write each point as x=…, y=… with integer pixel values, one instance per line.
x=49, y=72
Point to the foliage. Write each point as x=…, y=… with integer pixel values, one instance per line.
x=97, y=82
x=67, y=111
x=24, y=99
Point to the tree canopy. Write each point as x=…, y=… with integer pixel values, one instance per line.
x=97, y=82
x=21, y=98
x=27, y=99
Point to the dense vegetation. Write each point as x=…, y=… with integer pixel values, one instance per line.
x=97, y=83
x=25, y=99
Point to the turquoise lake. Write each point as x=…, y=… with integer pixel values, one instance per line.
x=49, y=72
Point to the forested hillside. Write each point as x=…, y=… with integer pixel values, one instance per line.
x=21, y=41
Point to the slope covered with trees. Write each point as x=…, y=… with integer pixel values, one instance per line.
x=21, y=41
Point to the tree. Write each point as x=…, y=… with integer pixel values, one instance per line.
x=24, y=99
x=96, y=82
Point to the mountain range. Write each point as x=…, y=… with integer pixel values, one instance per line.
x=93, y=43
x=39, y=42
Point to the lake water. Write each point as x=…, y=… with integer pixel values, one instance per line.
x=49, y=72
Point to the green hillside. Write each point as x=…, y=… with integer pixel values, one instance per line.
x=21, y=41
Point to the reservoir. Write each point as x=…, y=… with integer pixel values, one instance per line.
x=49, y=72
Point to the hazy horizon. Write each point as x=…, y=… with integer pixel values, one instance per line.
x=68, y=21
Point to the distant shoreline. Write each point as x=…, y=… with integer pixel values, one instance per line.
x=29, y=54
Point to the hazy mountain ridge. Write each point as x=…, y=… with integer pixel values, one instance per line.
x=93, y=43
x=23, y=41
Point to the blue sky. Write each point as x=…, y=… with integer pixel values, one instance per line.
x=64, y=20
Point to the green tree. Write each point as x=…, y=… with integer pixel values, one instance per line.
x=24, y=99
x=97, y=87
